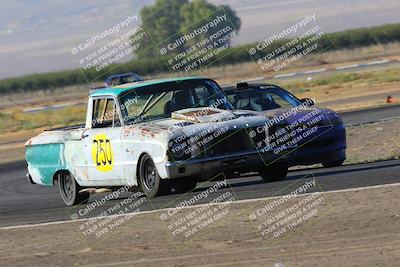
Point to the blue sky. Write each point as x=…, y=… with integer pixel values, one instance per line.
x=37, y=35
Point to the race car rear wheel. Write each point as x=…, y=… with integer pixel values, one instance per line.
x=274, y=173
x=69, y=190
x=150, y=181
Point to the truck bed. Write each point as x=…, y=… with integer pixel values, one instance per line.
x=67, y=128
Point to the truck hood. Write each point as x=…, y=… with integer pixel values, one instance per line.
x=194, y=120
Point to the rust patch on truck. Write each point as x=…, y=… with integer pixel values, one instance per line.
x=146, y=132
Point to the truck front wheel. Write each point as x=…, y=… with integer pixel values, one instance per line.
x=150, y=181
x=184, y=185
x=69, y=190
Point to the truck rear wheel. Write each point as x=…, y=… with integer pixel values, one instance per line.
x=69, y=190
x=150, y=181
x=274, y=173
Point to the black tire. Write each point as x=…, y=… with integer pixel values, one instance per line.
x=184, y=185
x=333, y=163
x=69, y=190
x=229, y=175
x=150, y=181
x=274, y=173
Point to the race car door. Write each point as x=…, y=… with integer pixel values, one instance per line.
x=102, y=143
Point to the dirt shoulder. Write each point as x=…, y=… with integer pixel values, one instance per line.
x=373, y=141
x=357, y=228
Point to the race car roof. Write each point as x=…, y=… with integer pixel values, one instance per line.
x=248, y=86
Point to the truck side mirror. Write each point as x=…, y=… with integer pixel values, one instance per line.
x=308, y=101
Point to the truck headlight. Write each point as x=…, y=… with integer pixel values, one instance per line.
x=179, y=149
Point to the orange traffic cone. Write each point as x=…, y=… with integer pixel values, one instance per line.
x=390, y=99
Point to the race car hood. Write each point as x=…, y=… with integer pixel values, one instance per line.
x=303, y=115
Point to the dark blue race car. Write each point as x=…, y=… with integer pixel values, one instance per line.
x=317, y=134
x=122, y=78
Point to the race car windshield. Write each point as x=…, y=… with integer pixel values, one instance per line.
x=159, y=101
x=260, y=99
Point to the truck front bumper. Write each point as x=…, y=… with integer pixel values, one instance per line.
x=211, y=166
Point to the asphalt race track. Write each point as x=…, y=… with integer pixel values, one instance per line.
x=22, y=203
x=370, y=115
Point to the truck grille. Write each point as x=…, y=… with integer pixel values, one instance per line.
x=236, y=141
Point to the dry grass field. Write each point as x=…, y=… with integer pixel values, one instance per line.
x=333, y=89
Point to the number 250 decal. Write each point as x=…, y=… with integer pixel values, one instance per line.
x=102, y=153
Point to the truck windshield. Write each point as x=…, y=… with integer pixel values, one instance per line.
x=159, y=101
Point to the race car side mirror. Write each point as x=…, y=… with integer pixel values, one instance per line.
x=308, y=101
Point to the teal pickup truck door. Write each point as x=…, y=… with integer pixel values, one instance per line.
x=102, y=144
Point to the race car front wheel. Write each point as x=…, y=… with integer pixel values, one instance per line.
x=333, y=163
x=69, y=190
x=274, y=173
x=150, y=181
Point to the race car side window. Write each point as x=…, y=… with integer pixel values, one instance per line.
x=105, y=113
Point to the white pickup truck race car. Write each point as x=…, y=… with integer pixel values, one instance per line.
x=157, y=134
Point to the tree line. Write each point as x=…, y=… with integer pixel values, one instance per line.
x=149, y=65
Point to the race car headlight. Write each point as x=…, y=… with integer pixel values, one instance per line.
x=332, y=118
x=337, y=120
